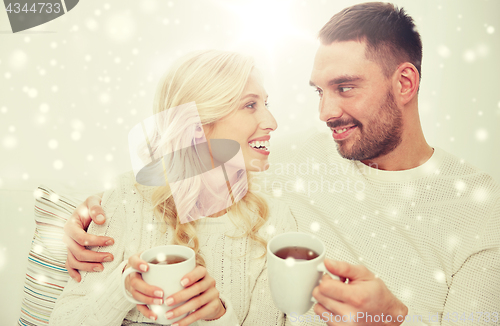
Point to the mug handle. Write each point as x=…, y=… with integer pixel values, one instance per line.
x=322, y=268
x=125, y=292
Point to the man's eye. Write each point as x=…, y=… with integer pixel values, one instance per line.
x=344, y=89
x=319, y=91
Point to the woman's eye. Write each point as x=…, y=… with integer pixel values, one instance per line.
x=267, y=105
x=251, y=105
x=344, y=89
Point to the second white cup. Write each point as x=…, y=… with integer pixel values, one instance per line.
x=292, y=280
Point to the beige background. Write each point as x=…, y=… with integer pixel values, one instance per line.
x=71, y=89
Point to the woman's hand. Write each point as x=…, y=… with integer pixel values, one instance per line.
x=141, y=290
x=200, y=295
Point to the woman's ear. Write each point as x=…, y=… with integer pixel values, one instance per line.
x=199, y=132
x=202, y=133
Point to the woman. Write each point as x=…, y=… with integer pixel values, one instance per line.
x=229, y=244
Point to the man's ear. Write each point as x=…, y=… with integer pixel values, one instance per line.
x=407, y=79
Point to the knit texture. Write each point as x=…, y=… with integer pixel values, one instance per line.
x=234, y=263
x=432, y=233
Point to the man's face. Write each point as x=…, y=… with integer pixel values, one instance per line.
x=356, y=101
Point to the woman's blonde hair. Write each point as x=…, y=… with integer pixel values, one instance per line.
x=215, y=81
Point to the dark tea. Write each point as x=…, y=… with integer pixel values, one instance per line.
x=296, y=253
x=169, y=260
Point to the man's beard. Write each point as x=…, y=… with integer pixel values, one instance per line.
x=379, y=137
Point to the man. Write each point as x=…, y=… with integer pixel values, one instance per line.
x=414, y=230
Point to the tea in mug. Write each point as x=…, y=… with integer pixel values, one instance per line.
x=297, y=253
x=168, y=260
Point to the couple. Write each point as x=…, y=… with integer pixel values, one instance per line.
x=414, y=230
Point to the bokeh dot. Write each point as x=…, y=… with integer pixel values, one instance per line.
x=32, y=93
x=38, y=193
x=76, y=135
x=469, y=56
x=53, y=144
x=10, y=142
x=315, y=226
x=54, y=198
x=44, y=108
x=3, y=258
x=58, y=164
x=481, y=135
x=18, y=59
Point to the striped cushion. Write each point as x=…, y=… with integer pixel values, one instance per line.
x=46, y=275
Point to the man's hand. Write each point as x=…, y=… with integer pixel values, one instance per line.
x=364, y=295
x=76, y=239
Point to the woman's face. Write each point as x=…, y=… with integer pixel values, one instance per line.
x=250, y=125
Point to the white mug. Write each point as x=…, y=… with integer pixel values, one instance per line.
x=292, y=281
x=166, y=277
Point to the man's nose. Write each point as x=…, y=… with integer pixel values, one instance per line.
x=329, y=108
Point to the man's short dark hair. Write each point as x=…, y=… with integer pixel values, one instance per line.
x=390, y=34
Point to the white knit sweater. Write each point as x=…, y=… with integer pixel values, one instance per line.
x=431, y=233
x=241, y=277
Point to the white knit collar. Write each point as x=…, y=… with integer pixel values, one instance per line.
x=427, y=169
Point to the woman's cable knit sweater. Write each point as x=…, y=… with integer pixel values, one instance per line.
x=235, y=264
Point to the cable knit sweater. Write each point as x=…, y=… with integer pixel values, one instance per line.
x=240, y=275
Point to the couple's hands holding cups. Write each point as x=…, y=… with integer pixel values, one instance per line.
x=167, y=293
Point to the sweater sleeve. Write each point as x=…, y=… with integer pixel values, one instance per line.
x=473, y=292
x=473, y=297
x=98, y=298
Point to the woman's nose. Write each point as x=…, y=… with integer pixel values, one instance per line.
x=267, y=121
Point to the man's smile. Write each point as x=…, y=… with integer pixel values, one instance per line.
x=343, y=132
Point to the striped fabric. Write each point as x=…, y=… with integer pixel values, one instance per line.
x=46, y=275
